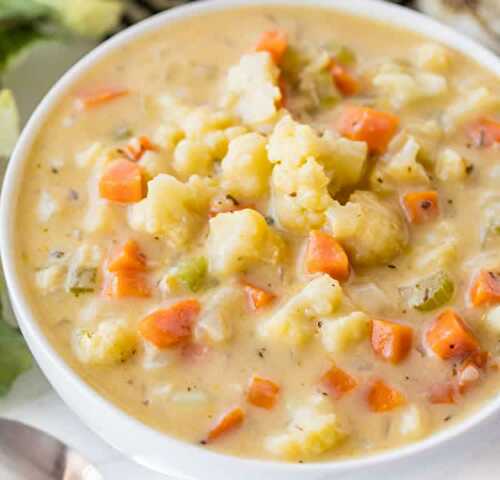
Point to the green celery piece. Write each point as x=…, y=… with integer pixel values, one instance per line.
x=345, y=55
x=190, y=273
x=21, y=11
x=431, y=292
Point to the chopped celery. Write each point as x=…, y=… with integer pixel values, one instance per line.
x=430, y=293
x=345, y=55
x=82, y=280
x=294, y=61
x=189, y=273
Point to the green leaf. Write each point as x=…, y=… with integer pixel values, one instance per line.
x=14, y=41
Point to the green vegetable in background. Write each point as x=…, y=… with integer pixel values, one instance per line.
x=9, y=123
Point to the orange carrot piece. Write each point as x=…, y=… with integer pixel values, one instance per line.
x=421, y=207
x=383, y=398
x=485, y=288
x=275, y=42
x=122, y=182
x=100, y=97
x=368, y=125
x=485, y=132
x=128, y=257
x=262, y=392
x=324, y=254
x=337, y=382
x=391, y=341
x=257, y=298
x=346, y=82
x=170, y=326
x=126, y=283
x=449, y=336
x=136, y=148
x=442, y=393
x=228, y=422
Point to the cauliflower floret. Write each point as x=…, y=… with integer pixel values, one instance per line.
x=89, y=156
x=100, y=216
x=309, y=434
x=245, y=168
x=168, y=136
x=202, y=120
x=410, y=424
x=111, y=342
x=153, y=163
x=370, y=230
x=403, y=166
x=403, y=87
x=470, y=105
x=340, y=334
x=450, y=166
x=432, y=57
x=292, y=143
x=47, y=206
x=171, y=209
x=491, y=320
x=252, y=88
x=238, y=240
x=215, y=324
x=293, y=322
x=192, y=156
x=300, y=195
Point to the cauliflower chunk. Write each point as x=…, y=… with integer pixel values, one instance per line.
x=245, y=168
x=252, y=88
x=88, y=157
x=51, y=278
x=292, y=143
x=432, y=57
x=111, y=342
x=218, y=314
x=300, y=195
x=192, y=156
x=238, y=240
x=100, y=216
x=450, y=166
x=171, y=208
x=403, y=166
x=371, y=231
x=309, y=434
x=491, y=320
x=410, y=424
x=47, y=206
x=293, y=322
x=154, y=163
x=339, y=334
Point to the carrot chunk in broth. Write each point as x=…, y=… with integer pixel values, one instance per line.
x=228, y=422
x=122, y=182
x=391, y=341
x=421, y=207
x=442, y=393
x=136, y=148
x=257, y=298
x=100, y=97
x=324, y=254
x=128, y=257
x=170, y=326
x=126, y=283
x=449, y=336
x=384, y=398
x=485, y=132
x=336, y=382
x=275, y=42
x=345, y=81
x=368, y=125
x=485, y=288
x=263, y=392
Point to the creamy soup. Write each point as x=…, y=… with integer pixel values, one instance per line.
x=273, y=232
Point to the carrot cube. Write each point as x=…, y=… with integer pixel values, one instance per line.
x=345, y=81
x=337, y=382
x=449, y=336
x=275, y=42
x=122, y=182
x=128, y=257
x=391, y=341
x=126, y=283
x=228, y=422
x=421, y=207
x=442, y=393
x=324, y=254
x=262, y=392
x=485, y=288
x=383, y=398
x=257, y=298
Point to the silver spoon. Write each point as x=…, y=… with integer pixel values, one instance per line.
x=30, y=454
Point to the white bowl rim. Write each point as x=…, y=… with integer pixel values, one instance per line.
x=184, y=459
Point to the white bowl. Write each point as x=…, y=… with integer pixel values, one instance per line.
x=139, y=442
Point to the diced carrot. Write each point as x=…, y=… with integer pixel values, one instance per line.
x=100, y=97
x=136, y=148
x=128, y=257
x=122, y=182
x=275, y=42
x=346, y=82
x=421, y=207
x=368, y=125
x=324, y=254
x=257, y=297
x=126, y=283
x=391, y=341
x=262, y=392
x=485, y=288
x=337, y=382
x=449, y=336
x=170, y=326
x=383, y=398
x=228, y=422
x=485, y=132
x=442, y=393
